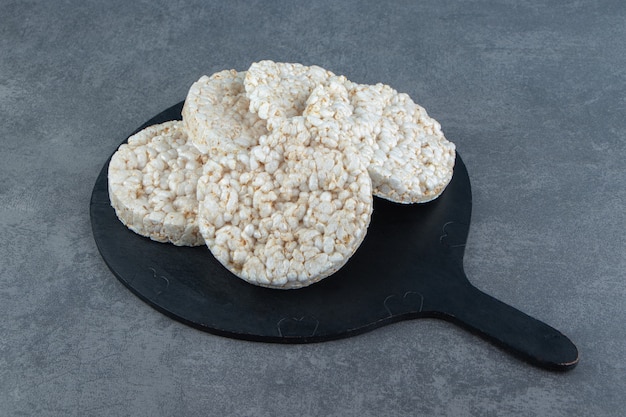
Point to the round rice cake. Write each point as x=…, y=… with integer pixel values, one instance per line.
x=408, y=158
x=286, y=215
x=216, y=114
x=412, y=160
x=339, y=114
x=279, y=90
x=152, y=184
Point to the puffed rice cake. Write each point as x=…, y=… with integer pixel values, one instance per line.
x=284, y=216
x=152, y=184
x=217, y=117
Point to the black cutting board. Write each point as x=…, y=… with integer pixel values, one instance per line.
x=410, y=265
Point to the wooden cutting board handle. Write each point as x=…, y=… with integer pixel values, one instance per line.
x=509, y=328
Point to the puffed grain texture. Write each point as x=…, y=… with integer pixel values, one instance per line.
x=279, y=90
x=339, y=114
x=217, y=117
x=408, y=157
x=286, y=215
x=412, y=160
x=152, y=184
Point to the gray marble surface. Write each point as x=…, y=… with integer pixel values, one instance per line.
x=534, y=95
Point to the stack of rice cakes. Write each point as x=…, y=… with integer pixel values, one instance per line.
x=275, y=169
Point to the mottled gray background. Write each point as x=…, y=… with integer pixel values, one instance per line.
x=534, y=95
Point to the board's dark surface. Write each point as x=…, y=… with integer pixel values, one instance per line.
x=410, y=265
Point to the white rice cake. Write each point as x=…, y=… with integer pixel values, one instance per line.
x=409, y=159
x=286, y=215
x=279, y=90
x=412, y=160
x=152, y=184
x=339, y=115
x=216, y=114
